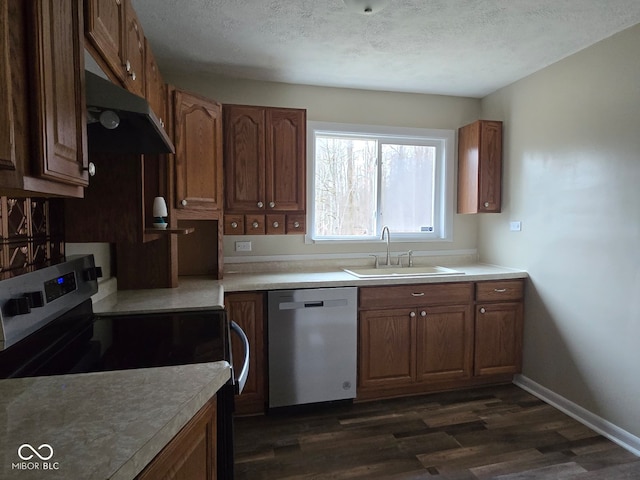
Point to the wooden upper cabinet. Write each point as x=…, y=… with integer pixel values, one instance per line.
x=480, y=167
x=244, y=158
x=117, y=41
x=7, y=122
x=134, y=45
x=264, y=159
x=105, y=31
x=198, y=158
x=286, y=166
x=58, y=91
x=156, y=89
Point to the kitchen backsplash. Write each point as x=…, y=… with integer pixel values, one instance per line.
x=31, y=235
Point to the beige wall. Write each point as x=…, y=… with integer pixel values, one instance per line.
x=572, y=176
x=345, y=106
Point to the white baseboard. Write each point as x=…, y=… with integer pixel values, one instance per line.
x=605, y=428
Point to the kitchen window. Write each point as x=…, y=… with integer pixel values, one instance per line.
x=365, y=177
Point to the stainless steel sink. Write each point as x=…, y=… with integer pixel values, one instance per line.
x=395, y=272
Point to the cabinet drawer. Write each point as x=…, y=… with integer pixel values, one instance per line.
x=500, y=290
x=416, y=295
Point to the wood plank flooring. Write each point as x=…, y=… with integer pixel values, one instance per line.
x=488, y=433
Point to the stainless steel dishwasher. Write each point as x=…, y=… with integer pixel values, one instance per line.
x=312, y=345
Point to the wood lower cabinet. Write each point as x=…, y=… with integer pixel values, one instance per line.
x=480, y=167
x=192, y=452
x=387, y=356
x=412, y=340
x=430, y=337
x=444, y=343
x=247, y=310
x=499, y=327
x=198, y=160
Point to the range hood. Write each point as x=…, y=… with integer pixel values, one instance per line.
x=121, y=122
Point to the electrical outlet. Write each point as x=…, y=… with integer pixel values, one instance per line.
x=243, y=246
x=515, y=226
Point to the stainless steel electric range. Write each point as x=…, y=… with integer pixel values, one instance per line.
x=47, y=327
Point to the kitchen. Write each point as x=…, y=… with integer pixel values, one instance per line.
x=570, y=176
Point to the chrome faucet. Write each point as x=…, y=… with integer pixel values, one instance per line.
x=386, y=229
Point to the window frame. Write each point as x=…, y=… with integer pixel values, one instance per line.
x=443, y=139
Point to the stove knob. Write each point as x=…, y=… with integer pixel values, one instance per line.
x=17, y=306
x=35, y=299
x=92, y=273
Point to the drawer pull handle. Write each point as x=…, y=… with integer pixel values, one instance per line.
x=499, y=290
x=483, y=310
x=421, y=294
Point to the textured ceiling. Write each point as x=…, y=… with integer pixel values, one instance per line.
x=451, y=47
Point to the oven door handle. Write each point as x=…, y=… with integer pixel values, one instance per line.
x=244, y=371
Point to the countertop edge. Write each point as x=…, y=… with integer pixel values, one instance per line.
x=139, y=461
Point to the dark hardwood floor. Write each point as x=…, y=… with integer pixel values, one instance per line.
x=498, y=432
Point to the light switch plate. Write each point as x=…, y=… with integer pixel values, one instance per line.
x=515, y=226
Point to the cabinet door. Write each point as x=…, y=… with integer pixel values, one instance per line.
x=191, y=454
x=134, y=52
x=198, y=159
x=480, y=167
x=444, y=343
x=156, y=89
x=387, y=353
x=498, y=348
x=246, y=309
x=104, y=28
x=244, y=158
x=286, y=154
x=490, y=166
x=58, y=91
x=7, y=127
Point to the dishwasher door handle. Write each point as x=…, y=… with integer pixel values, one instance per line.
x=244, y=371
x=339, y=302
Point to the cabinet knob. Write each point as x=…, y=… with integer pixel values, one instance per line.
x=276, y=224
x=486, y=204
x=260, y=204
x=423, y=313
x=296, y=224
x=412, y=314
x=483, y=310
x=272, y=204
x=133, y=76
x=118, y=2
x=234, y=224
x=161, y=122
x=127, y=66
x=91, y=169
x=255, y=224
x=183, y=202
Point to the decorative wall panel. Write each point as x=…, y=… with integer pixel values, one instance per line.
x=31, y=235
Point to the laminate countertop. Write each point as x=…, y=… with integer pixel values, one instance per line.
x=336, y=277
x=106, y=425
x=205, y=293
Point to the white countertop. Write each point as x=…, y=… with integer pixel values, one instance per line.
x=192, y=294
x=106, y=425
x=203, y=293
x=235, y=282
